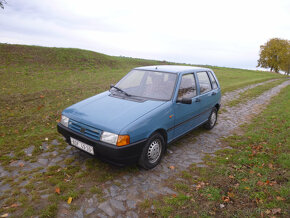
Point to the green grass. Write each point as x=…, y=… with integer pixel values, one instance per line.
x=37, y=83
x=249, y=180
x=254, y=92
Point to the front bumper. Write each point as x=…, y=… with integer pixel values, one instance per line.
x=124, y=155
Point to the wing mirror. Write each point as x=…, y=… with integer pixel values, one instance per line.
x=185, y=101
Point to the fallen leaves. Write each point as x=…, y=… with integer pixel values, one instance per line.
x=280, y=198
x=270, y=166
x=11, y=206
x=231, y=194
x=226, y=199
x=40, y=106
x=69, y=200
x=172, y=167
x=4, y=215
x=276, y=211
x=200, y=185
x=260, y=183
x=57, y=190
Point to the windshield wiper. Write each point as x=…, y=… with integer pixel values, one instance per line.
x=121, y=90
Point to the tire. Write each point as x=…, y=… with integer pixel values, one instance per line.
x=152, y=152
x=211, y=119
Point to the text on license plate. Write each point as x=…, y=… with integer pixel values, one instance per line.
x=82, y=145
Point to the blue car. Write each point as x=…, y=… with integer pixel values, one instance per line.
x=146, y=110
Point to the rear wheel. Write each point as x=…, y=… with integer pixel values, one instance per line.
x=152, y=152
x=211, y=120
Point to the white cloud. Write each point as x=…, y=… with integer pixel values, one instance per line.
x=223, y=33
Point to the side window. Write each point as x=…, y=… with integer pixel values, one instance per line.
x=213, y=81
x=187, y=88
x=204, y=82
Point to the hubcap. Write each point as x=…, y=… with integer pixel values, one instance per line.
x=154, y=151
x=212, y=119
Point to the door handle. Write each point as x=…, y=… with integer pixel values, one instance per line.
x=197, y=100
x=213, y=93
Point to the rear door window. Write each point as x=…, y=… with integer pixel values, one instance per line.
x=213, y=81
x=187, y=88
x=204, y=82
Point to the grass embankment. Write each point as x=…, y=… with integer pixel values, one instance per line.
x=37, y=83
x=249, y=180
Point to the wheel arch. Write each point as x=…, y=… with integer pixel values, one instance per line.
x=163, y=133
x=217, y=106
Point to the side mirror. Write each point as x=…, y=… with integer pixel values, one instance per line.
x=111, y=86
x=185, y=101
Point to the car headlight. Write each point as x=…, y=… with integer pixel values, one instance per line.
x=64, y=120
x=111, y=138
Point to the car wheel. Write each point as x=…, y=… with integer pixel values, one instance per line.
x=212, y=119
x=152, y=152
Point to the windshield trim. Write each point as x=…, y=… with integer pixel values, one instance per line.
x=156, y=99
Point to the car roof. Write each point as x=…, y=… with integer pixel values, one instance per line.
x=172, y=68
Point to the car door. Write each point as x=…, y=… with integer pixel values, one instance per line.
x=186, y=115
x=206, y=94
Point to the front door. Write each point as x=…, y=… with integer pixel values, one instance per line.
x=186, y=115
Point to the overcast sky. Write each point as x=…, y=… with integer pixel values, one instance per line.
x=214, y=32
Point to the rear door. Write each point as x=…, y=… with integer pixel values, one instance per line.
x=206, y=96
x=186, y=115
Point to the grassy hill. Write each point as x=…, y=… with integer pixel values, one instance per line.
x=28, y=69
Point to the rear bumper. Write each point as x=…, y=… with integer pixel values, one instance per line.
x=128, y=154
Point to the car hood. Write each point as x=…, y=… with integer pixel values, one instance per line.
x=109, y=113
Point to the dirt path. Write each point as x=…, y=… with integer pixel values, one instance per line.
x=121, y=200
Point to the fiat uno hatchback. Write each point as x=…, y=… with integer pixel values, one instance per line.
x=146, y=110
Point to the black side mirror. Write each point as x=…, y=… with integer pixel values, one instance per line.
x=112, y=85
x=185, y=101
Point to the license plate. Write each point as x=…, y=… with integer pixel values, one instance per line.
x=82, y=145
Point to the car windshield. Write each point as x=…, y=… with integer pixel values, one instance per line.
x=147, y=84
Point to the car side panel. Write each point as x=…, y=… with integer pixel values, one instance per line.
x=159, y=118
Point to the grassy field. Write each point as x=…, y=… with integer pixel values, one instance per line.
x=249, y=180
x=37, y=83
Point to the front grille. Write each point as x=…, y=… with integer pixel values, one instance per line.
x=84, y=129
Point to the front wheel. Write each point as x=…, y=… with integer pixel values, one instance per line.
x=211, y=120
x=152, y=152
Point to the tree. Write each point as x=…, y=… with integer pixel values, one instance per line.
x=2, y=2
x=285, y=66
x=275, y=55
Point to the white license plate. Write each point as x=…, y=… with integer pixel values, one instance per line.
x=82, y=145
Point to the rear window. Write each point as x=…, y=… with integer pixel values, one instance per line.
x=213, y=81
x=204, y=82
